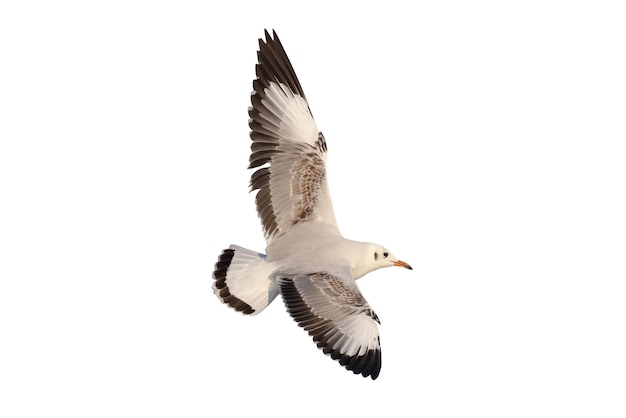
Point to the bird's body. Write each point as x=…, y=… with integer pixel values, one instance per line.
x=307, y=259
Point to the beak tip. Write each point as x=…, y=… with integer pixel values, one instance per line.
x=403, y=264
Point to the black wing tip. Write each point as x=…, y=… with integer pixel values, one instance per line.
x=367, y=365
x=268, y=37
x=274, y=65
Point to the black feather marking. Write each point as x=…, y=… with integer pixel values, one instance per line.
x=222, y=291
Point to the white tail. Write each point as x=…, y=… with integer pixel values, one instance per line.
x=242, y=280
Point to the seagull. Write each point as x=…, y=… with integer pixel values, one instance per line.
x=307, y=260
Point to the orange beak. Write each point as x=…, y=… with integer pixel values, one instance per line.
x=402, y=264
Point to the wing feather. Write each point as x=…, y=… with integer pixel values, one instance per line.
x=335, y=313
x=287, y=151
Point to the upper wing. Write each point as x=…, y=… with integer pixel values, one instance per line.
x=332, y=309
x=287, y=146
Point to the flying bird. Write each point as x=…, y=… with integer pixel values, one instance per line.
x=307, y=260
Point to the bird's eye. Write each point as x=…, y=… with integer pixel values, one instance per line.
x=385, y=254
x=375, y=256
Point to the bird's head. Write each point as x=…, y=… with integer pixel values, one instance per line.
x=376, y=256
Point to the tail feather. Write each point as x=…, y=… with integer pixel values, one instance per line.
x=242, y=280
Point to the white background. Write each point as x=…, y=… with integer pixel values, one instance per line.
x=483, y=143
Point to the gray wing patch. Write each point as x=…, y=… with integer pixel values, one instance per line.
x=309, y=179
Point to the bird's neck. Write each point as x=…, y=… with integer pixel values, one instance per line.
x=361, y=264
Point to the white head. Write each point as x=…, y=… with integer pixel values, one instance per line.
x=373, y=257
